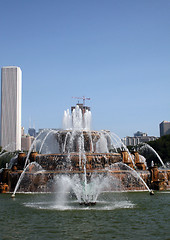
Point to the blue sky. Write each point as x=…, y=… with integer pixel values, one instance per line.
x=117, y=52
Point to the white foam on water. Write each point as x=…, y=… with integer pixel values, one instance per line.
x=164, y=192
x=100, y=206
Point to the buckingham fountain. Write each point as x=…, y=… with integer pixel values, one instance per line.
x=81, y=161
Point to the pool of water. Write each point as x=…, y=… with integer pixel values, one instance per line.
x=133, y=215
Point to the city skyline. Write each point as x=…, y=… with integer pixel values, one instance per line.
x=115, y=52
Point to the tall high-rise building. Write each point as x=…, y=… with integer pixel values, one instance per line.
x=11, y=81
x=164, y=128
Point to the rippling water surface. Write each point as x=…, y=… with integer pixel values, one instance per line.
x=134, y=215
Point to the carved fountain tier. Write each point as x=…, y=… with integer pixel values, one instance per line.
x=60, y=161
x=75, y=150
x=66, y=136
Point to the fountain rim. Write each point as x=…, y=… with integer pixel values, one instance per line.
x=77, y=154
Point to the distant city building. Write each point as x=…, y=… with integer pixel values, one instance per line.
x=138, y=138
x=82, y=107
x=11, y=81
x=22, y=131
x=32, y=132
x=26, y=142
x=164, y=128
x=140, y=134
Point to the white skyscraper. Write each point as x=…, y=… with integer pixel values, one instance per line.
x=11, y=81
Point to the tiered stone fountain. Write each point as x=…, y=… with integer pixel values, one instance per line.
x=86, y=161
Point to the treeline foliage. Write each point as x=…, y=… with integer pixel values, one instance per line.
x=5, y=157
x=162, y=147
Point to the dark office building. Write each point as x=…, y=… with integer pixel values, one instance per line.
x=32, y=132
x=164, y=128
